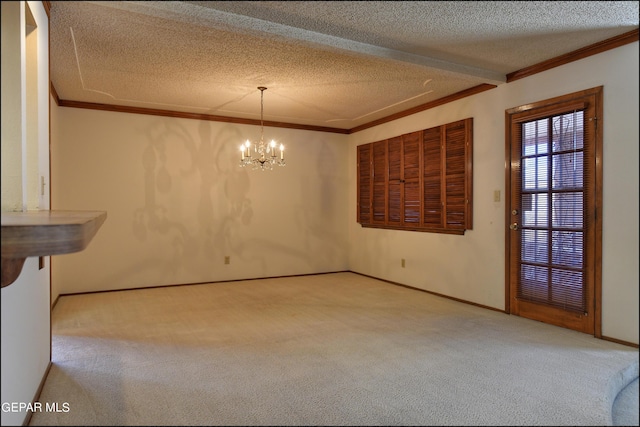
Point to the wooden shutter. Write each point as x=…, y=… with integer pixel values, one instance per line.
x=379, y=182
x=412, y=200
x=394, y=202
x=455, y=202
x=418, y=181
x=364, y=183
x=432, y=177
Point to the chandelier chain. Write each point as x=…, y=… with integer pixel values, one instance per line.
x=262, y=89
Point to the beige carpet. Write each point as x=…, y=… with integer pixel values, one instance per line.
x=331, y=349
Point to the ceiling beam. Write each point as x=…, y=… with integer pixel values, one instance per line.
x=193, y=14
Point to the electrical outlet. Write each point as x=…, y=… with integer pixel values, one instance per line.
x=402, y=263
x=227, y=259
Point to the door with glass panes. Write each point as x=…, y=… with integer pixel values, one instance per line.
x=553, y=211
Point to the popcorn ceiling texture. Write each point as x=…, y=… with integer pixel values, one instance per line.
x=335, y=64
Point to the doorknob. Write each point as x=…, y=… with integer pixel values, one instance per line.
x=514, y=226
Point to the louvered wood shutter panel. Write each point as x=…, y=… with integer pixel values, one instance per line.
x=412, y=201
x=432, y=177
x=394, y=150
x=455, y=200
x=379, y=181
x=364, y=184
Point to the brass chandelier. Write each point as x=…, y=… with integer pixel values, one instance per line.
x=264, y=155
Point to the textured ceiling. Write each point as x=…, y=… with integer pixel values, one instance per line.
x=330, y=64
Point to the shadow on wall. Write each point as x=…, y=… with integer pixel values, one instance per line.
x=317, y=207
x=199, y=206
x=187, y=195
x=305, y=234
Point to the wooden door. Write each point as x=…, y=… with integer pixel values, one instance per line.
x=553, y=211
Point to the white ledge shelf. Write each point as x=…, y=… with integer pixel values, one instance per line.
x=44, y=233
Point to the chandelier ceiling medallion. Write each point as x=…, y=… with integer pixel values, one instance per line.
x=264, y=155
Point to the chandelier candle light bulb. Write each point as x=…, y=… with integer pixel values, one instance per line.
x=262, y=161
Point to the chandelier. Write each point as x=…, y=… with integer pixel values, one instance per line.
x=264, y=155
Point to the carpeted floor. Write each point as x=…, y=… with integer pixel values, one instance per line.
x=332, y=349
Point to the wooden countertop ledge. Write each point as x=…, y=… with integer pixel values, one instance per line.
x=44, y=233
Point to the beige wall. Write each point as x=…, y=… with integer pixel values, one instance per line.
x=26, y=330
x=12, y=107
x=177, y=202
x=471, y=267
